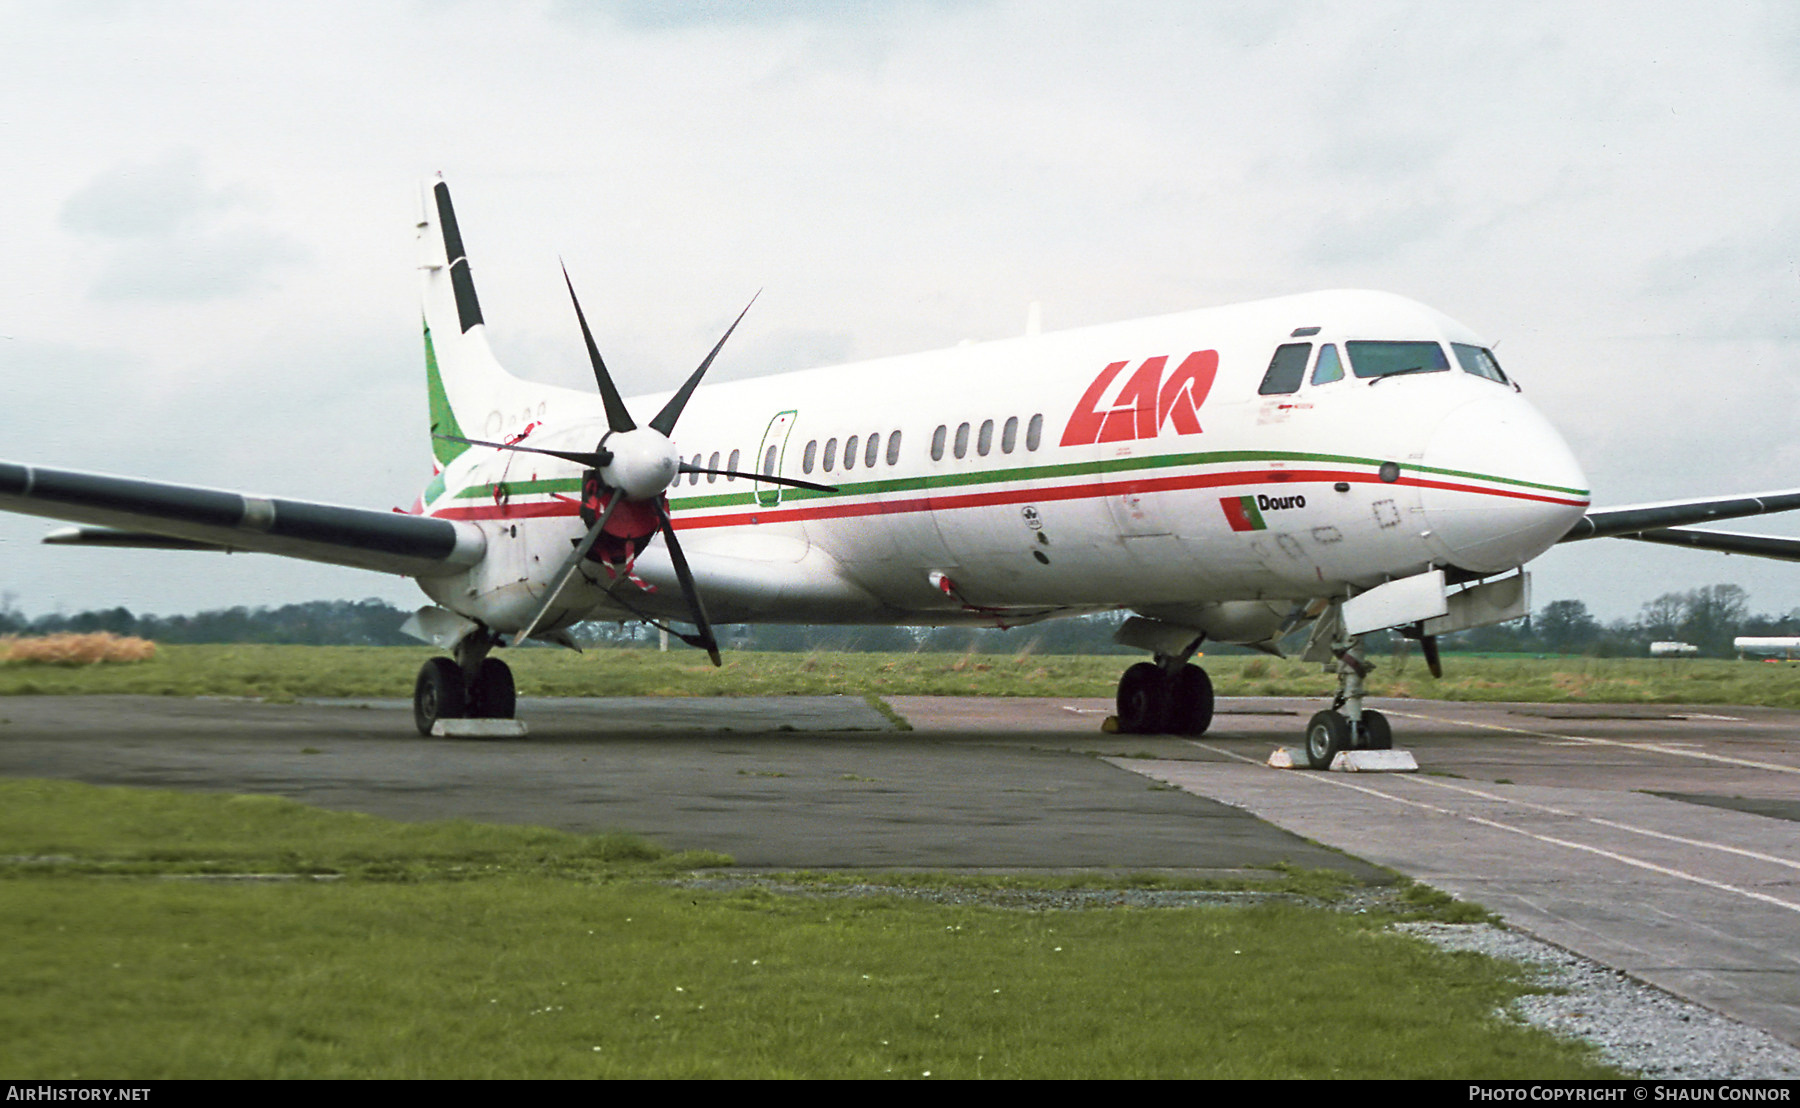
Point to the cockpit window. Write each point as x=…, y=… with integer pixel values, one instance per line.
x=1478, y=360
x=1328, y=368
x=1287, y=369
x=1390, y=359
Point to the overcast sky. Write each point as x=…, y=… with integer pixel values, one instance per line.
x=209, y=260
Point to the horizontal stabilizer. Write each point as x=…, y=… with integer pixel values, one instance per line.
x=1612, y=522
x=114, y=538
x=1729, y=542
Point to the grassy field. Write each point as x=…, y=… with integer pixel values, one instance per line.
x=160, y=935
x=288, y=672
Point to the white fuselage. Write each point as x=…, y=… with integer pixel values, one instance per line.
x=1134, y=465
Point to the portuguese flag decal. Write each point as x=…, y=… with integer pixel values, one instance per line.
x=1241, y=513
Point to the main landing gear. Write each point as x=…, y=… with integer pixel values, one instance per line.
x=1347, y=725
x=473, y=686
x=1169, y=695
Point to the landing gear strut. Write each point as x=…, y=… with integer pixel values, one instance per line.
x=1347, y=725
x=1167, y=695
x=473, y=686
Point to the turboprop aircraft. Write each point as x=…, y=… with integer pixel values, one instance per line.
x=1344, y=461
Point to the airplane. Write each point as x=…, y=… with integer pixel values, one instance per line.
x=1343, y=462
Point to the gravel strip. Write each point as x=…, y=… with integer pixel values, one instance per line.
x=1636, y=1027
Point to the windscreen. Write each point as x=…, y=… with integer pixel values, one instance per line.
x=1478, y=360
x=1390, y=359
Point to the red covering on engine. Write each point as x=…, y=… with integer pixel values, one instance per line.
x=628, y=530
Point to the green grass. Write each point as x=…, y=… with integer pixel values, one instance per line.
x=457, y=950
x=289, y=672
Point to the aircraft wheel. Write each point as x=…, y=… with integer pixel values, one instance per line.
x=1377, y=734
x=1191, y=708
x=1328, y=733
x=1143, y=701
x=491, y=695
x=438, y=694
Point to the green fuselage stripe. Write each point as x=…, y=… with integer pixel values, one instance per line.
x=1065, y=471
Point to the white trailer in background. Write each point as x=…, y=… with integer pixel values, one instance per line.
x=1785, y=646
x=1672, y=649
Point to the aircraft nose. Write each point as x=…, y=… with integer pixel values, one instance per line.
x=1501, y=486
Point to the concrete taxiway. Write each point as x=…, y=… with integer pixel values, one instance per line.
x=1662, y=841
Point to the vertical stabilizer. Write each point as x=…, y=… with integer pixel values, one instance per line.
x=465, y=382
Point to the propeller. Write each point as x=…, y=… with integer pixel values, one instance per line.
x=1428, y=646
x=636, y=464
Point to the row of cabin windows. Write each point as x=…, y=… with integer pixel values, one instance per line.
x=984, y=438
x=867, y=451
x=731, y=463
x=1287, y=369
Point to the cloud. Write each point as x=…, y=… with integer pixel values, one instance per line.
x=168, y=235
x=661, y=15
x=156, y=200
x=1364, y=238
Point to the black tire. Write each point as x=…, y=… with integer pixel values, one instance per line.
x=1143, y=700
x=1191, y=702
x=438, y=694
x=1377, y=733
x=1328, y=733
x=491, y=695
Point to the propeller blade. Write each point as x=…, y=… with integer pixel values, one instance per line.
x=1428, y=647
x=689, y=467
x=569, y=569
x=594, y=460
x=704, y=639
x=617, y=417
x=665, y=419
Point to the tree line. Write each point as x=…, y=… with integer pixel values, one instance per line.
x=1709, y=618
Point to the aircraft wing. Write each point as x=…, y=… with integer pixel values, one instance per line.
x=1629, y=522
x=126, y=511
x=1729, y=542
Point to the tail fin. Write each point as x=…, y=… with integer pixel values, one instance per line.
x=464, y=381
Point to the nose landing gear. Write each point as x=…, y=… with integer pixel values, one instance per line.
x=1347, y=725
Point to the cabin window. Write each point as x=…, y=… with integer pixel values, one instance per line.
x=1034, y=432
x=1009, y=435
x=872, y=452
x=893, y=454
x=1329, y=368
x=850, y=445
x=769, y=462
x=1478, y=360
x=984, y=442
x=937, y=442
x=1391, y=359
x=1286, y=369
x=962, y=440
x=694, y=474
x=712, y=463
x=830, y=454
x=732, y=465
x=806, y=459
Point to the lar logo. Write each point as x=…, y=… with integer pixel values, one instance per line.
x=1146, y=403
